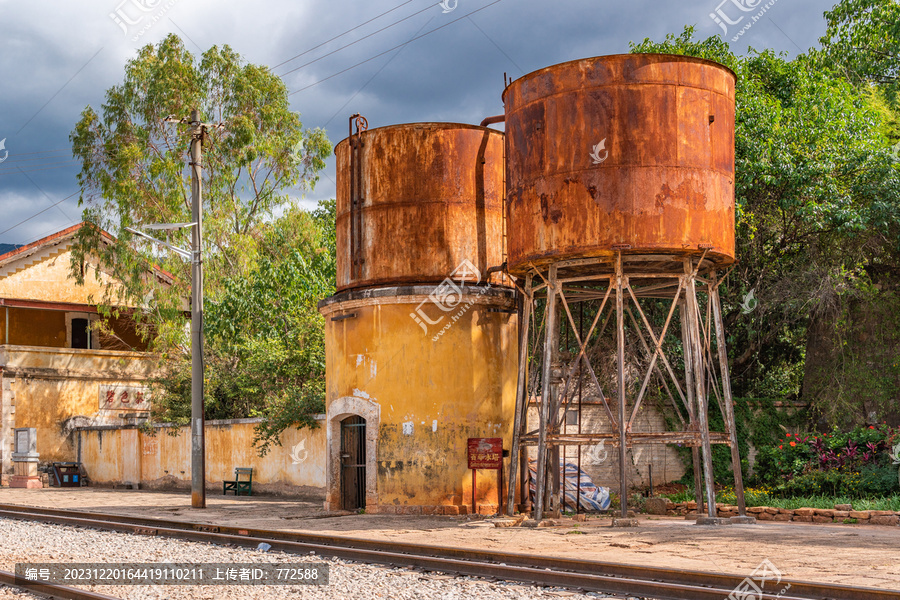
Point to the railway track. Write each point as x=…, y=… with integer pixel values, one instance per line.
x=49, y=590
x=608, y=577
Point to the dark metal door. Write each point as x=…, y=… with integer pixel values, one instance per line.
x=353, y=463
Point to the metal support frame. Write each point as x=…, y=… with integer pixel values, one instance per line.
x=555, y=388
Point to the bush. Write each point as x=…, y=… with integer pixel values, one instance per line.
x=855, y=464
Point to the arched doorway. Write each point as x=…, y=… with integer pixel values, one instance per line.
x=338, y=411
x=353, y=463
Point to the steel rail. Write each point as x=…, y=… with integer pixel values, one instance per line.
x=50, y=590
x=633, y=580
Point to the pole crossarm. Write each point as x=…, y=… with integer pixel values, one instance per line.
x=179, y=251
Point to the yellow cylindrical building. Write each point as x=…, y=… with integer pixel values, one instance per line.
x=421, y=338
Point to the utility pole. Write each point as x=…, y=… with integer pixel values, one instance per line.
x=198, y=417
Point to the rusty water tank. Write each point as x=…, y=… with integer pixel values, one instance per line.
x=628, y=152
x=430, y=196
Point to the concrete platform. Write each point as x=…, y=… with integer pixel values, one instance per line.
x=849, y=554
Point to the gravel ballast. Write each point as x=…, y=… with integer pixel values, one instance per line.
x=37, y=542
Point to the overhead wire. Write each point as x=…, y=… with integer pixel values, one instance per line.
x=394, y=48
x=340, y=35
x=378, y=72
x=23, y=221
x=10, y=171
x=354, y=42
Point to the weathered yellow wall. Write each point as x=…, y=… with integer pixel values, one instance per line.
x=47, y=278
x=165, y=460
x=459, y=385
x=53, y=385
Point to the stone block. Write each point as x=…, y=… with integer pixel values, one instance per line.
x=841, y=514
x=785, y=511
x=580, y=518
x=804, y=512
x=881, y=513
x=884, y=520
x=756, y=509
x=782, y=517
x=655, y=506
x=449, y=510
x=25, y=482
x=822, y=519
x=858, y=514
x=713, y=521
x=802, y=518
x=825, y=512
x=504, y=522
x=620, y=522
x=846, y=507
x=549, y=523
x=745, y=520
x=765, y=516
x=430, y=510
x=771, y=511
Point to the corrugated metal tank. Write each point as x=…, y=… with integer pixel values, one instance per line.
x=629, y=152
x=432, y=197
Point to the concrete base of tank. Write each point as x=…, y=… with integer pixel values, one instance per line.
x=426, y=368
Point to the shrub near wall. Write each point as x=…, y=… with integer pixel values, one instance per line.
x=760, y=422
x=858, y=464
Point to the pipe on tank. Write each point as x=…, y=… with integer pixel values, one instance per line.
x=497, y=269
x=495, y=119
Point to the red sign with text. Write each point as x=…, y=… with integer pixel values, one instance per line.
x=485, y=453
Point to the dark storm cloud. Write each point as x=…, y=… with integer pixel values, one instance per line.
x=453, y=74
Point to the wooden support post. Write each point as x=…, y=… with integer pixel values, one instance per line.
x=474, y=488
x=728, y=401
x=546, y=368
x=691, y=402
x=521, y=415
x=699, y=389
x=620, y=383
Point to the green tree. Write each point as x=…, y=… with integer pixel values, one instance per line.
x=134, y=167
x=265, y=349
x=817, y=201
x=134, y=171
x=862, y=41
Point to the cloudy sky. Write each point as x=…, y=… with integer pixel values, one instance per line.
x=429, y=62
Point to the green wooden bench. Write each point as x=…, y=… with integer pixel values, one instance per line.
x=238, y=486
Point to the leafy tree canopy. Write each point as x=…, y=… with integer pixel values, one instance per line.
x=817, y=201
x=266, y=262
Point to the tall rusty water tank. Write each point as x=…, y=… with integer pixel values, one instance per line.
x=430, y=196
x=420, y=349
x=628, y=152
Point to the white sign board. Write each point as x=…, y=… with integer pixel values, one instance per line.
x=124, y=397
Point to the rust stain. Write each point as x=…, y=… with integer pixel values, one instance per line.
x=432, y=198
x=667, y=182
x=684, y=196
